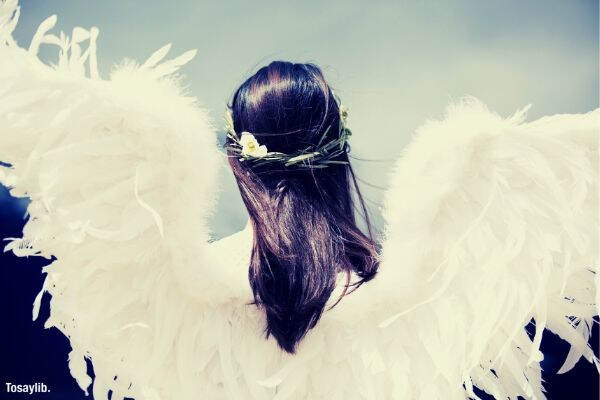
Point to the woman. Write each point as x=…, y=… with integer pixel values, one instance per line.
x=302, y=213
x=490, y=223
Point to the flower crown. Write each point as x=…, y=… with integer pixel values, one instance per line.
x=247, y=148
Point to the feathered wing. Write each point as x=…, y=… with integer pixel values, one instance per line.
x=491, y=223
x=121, y=174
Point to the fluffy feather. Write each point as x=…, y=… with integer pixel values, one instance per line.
x=492, y=223
x=120, y=177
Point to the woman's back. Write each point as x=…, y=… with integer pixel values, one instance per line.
x=344, y=347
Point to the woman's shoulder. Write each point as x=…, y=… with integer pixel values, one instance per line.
x=236, y=245
x=231, y=258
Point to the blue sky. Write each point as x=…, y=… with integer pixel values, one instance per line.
x=394, y=63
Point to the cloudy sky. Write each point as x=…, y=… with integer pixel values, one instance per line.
x=394, y=63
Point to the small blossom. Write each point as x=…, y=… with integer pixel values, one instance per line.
x=343, y=113
x=251, y=147
x=344, y=110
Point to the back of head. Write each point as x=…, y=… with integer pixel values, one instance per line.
x=301, y=208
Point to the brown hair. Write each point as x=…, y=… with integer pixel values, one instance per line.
x=304, y=223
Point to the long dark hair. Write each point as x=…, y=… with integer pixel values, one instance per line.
x=304, y=224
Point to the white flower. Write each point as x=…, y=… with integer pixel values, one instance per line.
x=343, y=113
x=251, y=147
x=343, y=110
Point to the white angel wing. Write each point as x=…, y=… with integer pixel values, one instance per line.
x=121, y=174
x=491, y=223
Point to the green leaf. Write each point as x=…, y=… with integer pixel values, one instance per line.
x=323, y=136
x=301, y=157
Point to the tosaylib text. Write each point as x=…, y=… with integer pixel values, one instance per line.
x=37, y=387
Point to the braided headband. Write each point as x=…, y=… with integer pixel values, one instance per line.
x=323, y=154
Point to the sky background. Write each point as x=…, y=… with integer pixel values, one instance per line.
x=393, y=63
